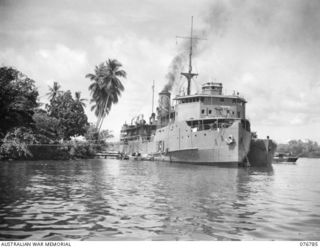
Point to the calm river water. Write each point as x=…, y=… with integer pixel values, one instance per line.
x=134, y=200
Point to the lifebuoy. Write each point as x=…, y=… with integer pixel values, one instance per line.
x=230, y=140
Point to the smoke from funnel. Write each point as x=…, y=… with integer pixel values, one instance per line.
x=216, y=19
x=174, y=71
x=178, y=62
x=181, y=59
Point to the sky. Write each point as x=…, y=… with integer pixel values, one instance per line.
x=269, y=51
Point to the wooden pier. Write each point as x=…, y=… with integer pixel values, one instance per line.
x=109, y=154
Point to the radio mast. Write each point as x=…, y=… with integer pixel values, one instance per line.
x=189, y=75
x=152, y=96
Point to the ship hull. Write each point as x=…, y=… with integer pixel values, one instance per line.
x=177, y=142
x=261, y=152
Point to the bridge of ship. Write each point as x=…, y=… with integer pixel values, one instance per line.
x=209, y=106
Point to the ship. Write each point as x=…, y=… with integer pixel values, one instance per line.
x=207, y=127
x=261, y=151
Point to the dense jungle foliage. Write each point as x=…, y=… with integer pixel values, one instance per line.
x=29, y=130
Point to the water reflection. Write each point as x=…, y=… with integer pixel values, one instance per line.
x=123, y=200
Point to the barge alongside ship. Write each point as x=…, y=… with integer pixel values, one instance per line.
x=203, y=128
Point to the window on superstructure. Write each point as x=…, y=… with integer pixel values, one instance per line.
x=210, y=111
x=202, y=111
x=221, y=99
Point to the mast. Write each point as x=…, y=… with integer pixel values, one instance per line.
x=189, y=75
x=152, y=96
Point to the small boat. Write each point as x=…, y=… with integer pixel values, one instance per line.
x=147, y=157
x=135, y=156
x=284, y=157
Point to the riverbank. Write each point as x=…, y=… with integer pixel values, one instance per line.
x=65, y=151
x=299, y=148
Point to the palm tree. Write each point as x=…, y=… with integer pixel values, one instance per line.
x=106, y=88
x=97, y=78
x=78, y=98
x=54, y=91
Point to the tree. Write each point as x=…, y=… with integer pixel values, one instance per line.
x=15, y=143
x=54, y=91
x=105, y=134
x=92, y=134
x=71, y=115
x=18, y=99
x=299, y=148
x=95, y=88
x=78, y=99
x=46, y=125
x=106, y=88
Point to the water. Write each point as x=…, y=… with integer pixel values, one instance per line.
x=135, y=200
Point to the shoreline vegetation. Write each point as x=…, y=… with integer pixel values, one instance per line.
x=299, y=148
x=59, y=129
